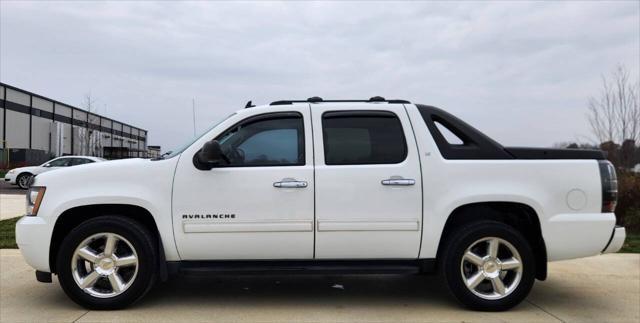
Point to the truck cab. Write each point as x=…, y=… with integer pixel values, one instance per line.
x=321, y=186
x=357, y=178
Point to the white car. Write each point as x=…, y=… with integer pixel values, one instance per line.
x=21, y=176
x=314, y=186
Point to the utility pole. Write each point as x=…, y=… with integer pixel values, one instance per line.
x=193, y=108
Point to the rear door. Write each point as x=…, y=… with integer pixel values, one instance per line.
x=368, y=182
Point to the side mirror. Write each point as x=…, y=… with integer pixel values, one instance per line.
x=208, y=156
x=47, y=165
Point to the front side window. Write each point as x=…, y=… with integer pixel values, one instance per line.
x=271, y=140
x=60, y=162
x=363, y=137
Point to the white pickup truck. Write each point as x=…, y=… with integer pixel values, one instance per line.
x=372, y=186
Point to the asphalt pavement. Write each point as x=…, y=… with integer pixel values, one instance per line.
x=6, y=188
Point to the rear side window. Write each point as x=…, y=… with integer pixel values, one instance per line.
x=448, y=135
x=80, y=161
x=362, y=137
x=458, y=140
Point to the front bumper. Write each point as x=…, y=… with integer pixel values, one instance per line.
x=33, y=237
x=617, y=240
x=11, y=178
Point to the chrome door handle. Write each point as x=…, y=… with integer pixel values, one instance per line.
x=399, y=182
x=290, y=184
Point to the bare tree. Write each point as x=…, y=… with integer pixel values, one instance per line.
x=614, y=116
x=88, y=102
x=89, y=105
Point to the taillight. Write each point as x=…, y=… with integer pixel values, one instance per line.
x=609, y=186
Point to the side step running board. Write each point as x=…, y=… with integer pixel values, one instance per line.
x=302, y=267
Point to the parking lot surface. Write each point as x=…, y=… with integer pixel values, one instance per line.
x=598, y=289
x=11, y=205
x=6, y=188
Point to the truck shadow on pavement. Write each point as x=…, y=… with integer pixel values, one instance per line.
x=390, y=298
x=383, y=298
x=300, y=290
x=325, y=291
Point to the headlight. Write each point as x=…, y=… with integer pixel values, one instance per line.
x=34, y=198
x=11, y=171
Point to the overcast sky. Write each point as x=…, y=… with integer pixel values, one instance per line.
x=520, y=72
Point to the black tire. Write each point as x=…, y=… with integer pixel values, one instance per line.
x=456, y=245
x=24, y=180
x=137, y=235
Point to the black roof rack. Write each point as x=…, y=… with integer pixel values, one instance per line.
x=317, y=99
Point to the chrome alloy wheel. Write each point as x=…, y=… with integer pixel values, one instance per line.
x=104, y=265
x=491, y=268
x=23, y=181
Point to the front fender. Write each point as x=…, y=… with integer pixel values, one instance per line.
x=142, y=183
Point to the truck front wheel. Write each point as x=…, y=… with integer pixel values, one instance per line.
x=488, y=266
x=108, y=262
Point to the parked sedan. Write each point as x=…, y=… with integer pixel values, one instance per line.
x=22, y=176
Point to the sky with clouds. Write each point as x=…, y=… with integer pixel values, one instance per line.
x=522, y=72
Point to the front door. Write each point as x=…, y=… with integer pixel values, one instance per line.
x=368, y=182
x=259, y=204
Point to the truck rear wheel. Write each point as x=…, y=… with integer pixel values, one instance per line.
x=108, y=262
x=488, y=266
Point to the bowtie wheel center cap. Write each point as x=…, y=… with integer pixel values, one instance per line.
x=105, y=266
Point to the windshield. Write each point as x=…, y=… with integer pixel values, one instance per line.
x=174, y=152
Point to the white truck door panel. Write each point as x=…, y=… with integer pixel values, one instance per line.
x=368, y=182
x=260, y=206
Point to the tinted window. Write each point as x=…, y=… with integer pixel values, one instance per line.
x=362, y=138
x=80, y=161
x=266, y=141
x=61, y=162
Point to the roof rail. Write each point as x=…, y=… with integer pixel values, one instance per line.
x=317, y=99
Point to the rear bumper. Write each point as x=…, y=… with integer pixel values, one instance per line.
x=617, y=240
x=577, y=235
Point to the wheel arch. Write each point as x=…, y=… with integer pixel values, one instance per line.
x=520, y=216
x=77, y=215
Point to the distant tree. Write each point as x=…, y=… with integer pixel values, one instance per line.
x=574, y=145
x=89, y=147
x=614, y=115
x=613, y=151
x=628, y=152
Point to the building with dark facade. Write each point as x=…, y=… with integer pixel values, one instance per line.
x=34, y=129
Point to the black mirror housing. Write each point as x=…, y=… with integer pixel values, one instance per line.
x=208, y=156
